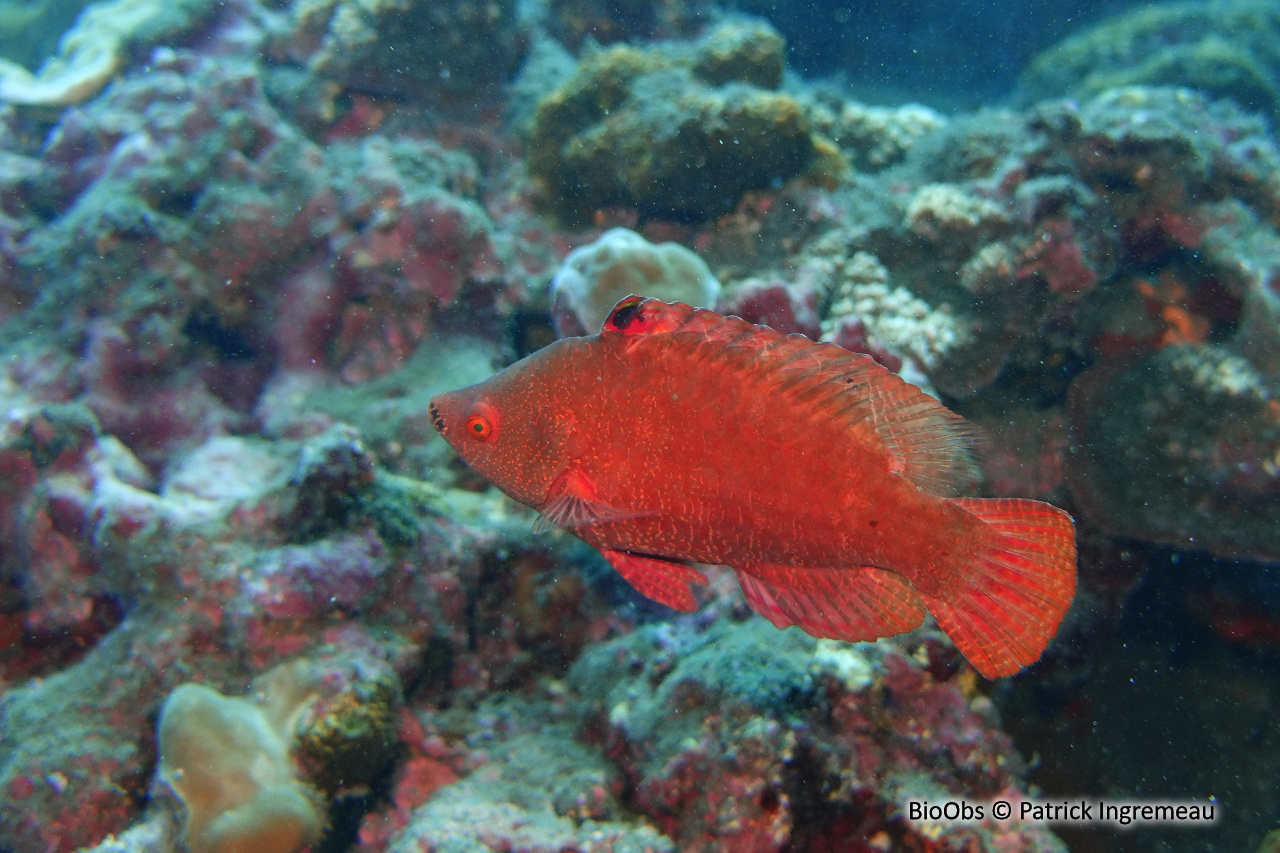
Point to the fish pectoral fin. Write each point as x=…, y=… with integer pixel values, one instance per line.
x=573, y=504
x=853, y=604
x=665, y=581
x=571, y=512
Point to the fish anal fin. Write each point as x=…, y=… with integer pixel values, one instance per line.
x=840, y=604
x=1016, y=589
x=664, y=581
x=573, y=504
x=927, y=443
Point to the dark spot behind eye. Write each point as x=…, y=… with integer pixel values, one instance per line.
x=624, y=313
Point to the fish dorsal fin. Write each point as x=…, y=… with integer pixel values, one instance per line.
x=929, y=444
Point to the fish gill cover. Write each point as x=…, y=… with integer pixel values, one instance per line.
x=244, y=244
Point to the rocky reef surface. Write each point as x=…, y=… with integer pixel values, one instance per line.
x=250, y=600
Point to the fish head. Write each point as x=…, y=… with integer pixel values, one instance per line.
x=509, y=428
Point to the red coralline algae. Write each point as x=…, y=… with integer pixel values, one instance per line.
x=734, y=739
x=852, y=334
x=1059, y=260
x=436, y=245
x=785, y=308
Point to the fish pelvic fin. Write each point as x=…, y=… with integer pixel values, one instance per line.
x=839, y=604
x=1012, y=596
x=664, y=581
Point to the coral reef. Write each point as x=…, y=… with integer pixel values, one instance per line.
x=1094, y=236
x=871, y=137
x=93, y=51
x=1220, y=48
x=165, y=552
x=621, y=263
x=736, y=736
x=700, y=737
x=644, y=129
x=228, y=760
x=231, y=280
x=456, y=50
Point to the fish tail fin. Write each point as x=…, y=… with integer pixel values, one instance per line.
x=1011, y=597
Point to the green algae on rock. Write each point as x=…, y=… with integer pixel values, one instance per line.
x=646, y=129
x=1227, y=50
x=749, y=52
x=348, y=737
x=441, y=51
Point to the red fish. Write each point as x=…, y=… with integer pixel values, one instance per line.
x=677, y=436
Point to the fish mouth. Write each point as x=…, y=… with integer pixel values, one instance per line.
x=436, y=418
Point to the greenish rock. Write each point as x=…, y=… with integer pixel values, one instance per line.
x=538, y=791
x=1180, y=447
x=645, y=129
x=642, y=680
x=390, y=412
x=334, y=472
x=742, y=52
x=396, y=506
x=435, y=50
x=1227, y=49
x=60, y=427
x=349, y=736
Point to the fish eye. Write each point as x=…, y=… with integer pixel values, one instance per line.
x=482, y=422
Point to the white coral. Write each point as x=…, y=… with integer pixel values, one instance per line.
x=946, y=210
x=895, y=315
